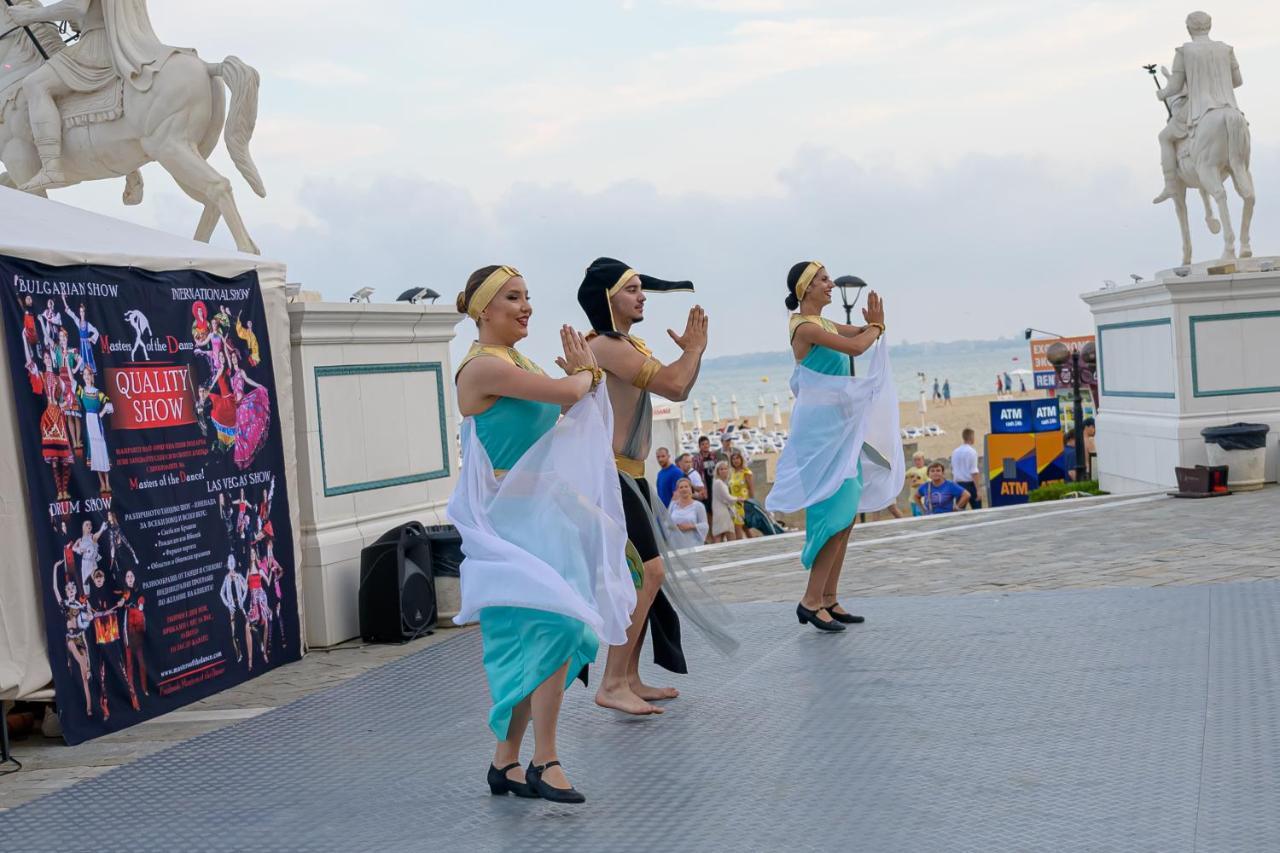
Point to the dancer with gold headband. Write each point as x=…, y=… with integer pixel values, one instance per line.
x=613, y=295
x=845, y=452
x=542, y=527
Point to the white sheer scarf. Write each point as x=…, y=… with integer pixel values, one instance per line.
x=838, y=420
x=550, y=535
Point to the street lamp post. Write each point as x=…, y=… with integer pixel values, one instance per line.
x=1060, y=354
x=845, y=283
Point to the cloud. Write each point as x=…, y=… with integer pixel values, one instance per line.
x=742, y=7
x=324, y=74
x=979, y=249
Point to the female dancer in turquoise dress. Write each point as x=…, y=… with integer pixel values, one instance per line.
x=825, y=347
x=530, y=655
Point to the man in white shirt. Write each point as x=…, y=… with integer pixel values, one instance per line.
x=964, y=468
x=685, y=463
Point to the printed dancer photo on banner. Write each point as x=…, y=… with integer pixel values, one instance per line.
x=543, y=532
x=78, y=619
x=845, y=451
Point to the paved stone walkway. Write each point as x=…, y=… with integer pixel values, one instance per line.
x=1110, y=542
x=1088, y=544
x=1105, y=720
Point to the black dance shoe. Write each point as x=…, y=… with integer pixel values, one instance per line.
x=500, y=785
x=547, y=792
x=804, y=614
x=846, y=618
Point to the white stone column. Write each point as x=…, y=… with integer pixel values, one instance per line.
x=376, y=436
x=1179, y=354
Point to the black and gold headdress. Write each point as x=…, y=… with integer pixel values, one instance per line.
x=604, y=278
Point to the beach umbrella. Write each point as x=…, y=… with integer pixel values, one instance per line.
x=733, y=407
x=761, y=414
x=697, y=417
x=715, y=410
x=777, y=413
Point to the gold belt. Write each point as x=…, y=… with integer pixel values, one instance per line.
x=627, y=465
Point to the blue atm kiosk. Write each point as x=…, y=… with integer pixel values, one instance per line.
x=1024, y=449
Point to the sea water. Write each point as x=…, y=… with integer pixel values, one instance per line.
x=971, y=367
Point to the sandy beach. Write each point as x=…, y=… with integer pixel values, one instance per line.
x=963, y=412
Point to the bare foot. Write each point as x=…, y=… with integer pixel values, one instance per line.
x=624, y=700
x=653, y=694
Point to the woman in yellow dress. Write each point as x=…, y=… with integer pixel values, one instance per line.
x=741, y=487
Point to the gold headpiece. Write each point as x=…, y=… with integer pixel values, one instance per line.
x=489, y=288
x=806, y=279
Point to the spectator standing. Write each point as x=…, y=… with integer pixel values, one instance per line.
x=706, y=463
x=938, y=495
x=916, y=475
x=937, y=394
x=1090, y=445
x=1069, y=455
x=1008, y=383
x=726, y=447
x=742, y=488
x=668, y=474
x=722, y=504
x=964, y=468
x=684, y=464
x=946, y=393
x=688, y=517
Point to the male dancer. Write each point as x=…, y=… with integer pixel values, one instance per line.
x=613, y=296
x=235, y=589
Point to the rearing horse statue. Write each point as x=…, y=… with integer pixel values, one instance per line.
x=175, y=121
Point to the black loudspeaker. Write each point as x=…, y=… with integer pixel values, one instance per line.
x=397, y=590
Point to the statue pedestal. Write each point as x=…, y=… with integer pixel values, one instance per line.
x=1179, y=354
x=373, y=408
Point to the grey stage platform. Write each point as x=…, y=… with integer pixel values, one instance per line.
x=1125, y=720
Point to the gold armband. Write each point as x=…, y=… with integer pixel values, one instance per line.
x=647, y=372
x=596, y=374
x=879, y=326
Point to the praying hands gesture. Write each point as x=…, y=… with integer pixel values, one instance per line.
x=874, y=312
x=577, y=355
x=694, y=338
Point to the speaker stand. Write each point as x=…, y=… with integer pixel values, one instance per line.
x=5, y=755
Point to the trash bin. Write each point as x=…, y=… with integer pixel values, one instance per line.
x=446, y=557
x=1243, y=449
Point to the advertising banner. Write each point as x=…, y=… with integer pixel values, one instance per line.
x=1043, y=369
x=149, y=426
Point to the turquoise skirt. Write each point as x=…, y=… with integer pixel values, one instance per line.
x=828, y=517
x=525, y=647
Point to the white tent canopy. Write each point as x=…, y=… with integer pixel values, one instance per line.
x=50, y=233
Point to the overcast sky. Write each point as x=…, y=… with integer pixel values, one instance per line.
x=980, y=164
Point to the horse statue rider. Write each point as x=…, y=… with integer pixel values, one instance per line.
x=1206, y=137
x=117, y=98
x=116, y=42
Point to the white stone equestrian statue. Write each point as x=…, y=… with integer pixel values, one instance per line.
x=116, y=99
x=1207, y=137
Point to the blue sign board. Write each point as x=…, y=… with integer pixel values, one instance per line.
x=1010, y=416
x=1046, y=418
x=1019, y=416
